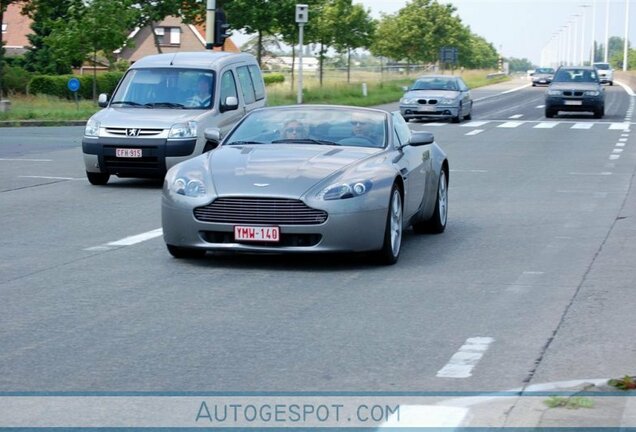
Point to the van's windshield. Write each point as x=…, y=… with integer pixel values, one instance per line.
x=166, y=88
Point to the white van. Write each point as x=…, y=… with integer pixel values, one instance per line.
x=161, y=107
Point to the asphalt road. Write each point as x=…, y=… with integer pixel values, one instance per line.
x=533, y=262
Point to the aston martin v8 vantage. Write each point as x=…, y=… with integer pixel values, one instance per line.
x=308, y=178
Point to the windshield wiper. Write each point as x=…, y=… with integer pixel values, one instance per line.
x=305, y=141
x=164, y=104
x=244, y=142
x=131, y=103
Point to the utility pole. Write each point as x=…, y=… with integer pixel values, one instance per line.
x=626, y=41
x=302, y=16
x=209, y=24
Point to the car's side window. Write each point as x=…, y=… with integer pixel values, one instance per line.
x=401, y=128
x=246, y=84
x=228, y=86
x=462, y=85
x=257, y=79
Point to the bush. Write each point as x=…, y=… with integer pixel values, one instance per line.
x=273, y=78
x=15, y=79
x=56, y=85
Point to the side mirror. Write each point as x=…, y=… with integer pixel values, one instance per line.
x=421, y=138
x=102, y=100
x=229, y=104
x=212, y=138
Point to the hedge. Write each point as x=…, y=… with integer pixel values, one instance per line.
x=56, y=85
x=273, y=78
x=15, y=79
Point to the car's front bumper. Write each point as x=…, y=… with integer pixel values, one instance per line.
x=541, y=81
x=348, y=230
x=414, y=111
x=158, y=155
x=579, y=104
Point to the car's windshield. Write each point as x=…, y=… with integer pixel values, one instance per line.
x=435, y=84
x=602, y=66
x=544, y=71
x=575, y=75
x=166, y=88
x=311, y=125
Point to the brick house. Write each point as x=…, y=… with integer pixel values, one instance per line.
x=15, y=28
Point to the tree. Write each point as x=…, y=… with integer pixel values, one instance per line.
x=479, y=54
x=519, y=65
x=4, y=4
x=358, y=30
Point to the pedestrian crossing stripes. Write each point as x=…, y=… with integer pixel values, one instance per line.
x=513, y=124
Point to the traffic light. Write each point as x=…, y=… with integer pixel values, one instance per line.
x=220, y=28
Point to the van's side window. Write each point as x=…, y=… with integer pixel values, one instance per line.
x=257, y=79
x=228, y=86
x=246, y=84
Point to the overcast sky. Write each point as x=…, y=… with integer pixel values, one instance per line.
x=522, y=28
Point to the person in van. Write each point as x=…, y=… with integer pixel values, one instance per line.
x=160, y=110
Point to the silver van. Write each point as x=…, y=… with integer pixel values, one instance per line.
x=160, y=109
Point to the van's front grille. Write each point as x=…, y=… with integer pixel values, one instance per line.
x=116, y=165
x=133, y=132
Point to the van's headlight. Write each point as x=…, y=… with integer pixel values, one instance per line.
x=92, y=128
x=183, y=130
x=345, y=190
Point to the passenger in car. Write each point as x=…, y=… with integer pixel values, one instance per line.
x=294, y=129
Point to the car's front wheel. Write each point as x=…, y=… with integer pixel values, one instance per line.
x=549, y=113
x=97, y=179
x=458, y=117
x=184, y=252
x=390, y=251
x=437, y=222
x=599, y=113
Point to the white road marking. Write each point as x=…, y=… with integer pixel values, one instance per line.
x=26, y=160
x=129, y=241
x=546, y=125
x=625, y=135
x=620, y=144
x=614, y=157
x=516, y=116
x=617, y=151
x=51, y=178
x=510, y=125
x=622, y=139
x=466, y=358
x=475, y=124
x=435, y=124
x=474, y=132
x=540, y=106
x=582, y=126
x=469, y=171
x=619, y=126
x=604, y=173
x=516, y=89
x=626, y=88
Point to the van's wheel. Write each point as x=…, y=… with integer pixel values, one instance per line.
x=97, y=179
x=390, y=251
x=184, y=252
x=437, y=222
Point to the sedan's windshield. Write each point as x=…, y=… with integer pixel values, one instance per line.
x=544, y=71
x=435, y=84
x=576, y=75
x=166, y=88
x=312, y=126
x=602, y=66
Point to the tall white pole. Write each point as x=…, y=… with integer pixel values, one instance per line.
x=582, y=55
x=607, y=11
x=575, y=40
x=626, y=41
x=593, y=49
x=567, y=45
x=300, y=63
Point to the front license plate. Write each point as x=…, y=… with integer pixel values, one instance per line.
x=256, y=233
x=128, y=153
x=427, y=108
x=573, y=102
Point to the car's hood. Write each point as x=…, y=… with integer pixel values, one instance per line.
x=583, y=86
x=157, y=118
x=431, y=94
x=278, y=169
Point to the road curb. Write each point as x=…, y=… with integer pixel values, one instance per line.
x=22, y=123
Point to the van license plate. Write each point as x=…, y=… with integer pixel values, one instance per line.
x=256, y=233
x=128, y=153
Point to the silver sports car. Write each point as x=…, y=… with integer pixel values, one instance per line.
x=308, y=178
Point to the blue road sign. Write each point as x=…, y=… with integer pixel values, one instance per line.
x=73, y=84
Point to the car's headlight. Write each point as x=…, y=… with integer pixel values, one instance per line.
x=447, y=101
x=187, y=183
x=345, y=190
x=554, y=92
x=592, y=93
x=183, y=130
x=408, y=100
x=92, y=128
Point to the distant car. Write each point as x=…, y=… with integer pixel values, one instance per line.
x=575, y=88
x=437, y=96
x=542, y=76
x=605, y=73
x=307, y=178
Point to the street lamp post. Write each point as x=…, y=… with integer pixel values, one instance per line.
x=626, y=41
x=582, y=56
x=593, y=49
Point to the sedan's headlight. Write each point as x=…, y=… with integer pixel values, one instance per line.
x=554, y=92
x=408, y=100
x=183, y=130
x=345, y=190
x=447, y=101
x=592, y=93
x=186, y=183
x=92, y=128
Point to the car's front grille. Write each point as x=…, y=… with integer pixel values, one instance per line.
x=268, y=211
x=427, y=101
x=133, y=132
x=572, y=93
x=289, y=240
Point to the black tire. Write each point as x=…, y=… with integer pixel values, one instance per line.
x=599, y=113
x=611, y=83
x=549, y=113
x=183, y=252
x=97, y=179
x=534, y=85
x=469, y=116
x=458, y=117
x=436, y=224
x=392, y=245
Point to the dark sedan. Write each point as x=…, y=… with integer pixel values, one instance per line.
x=575, y=89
